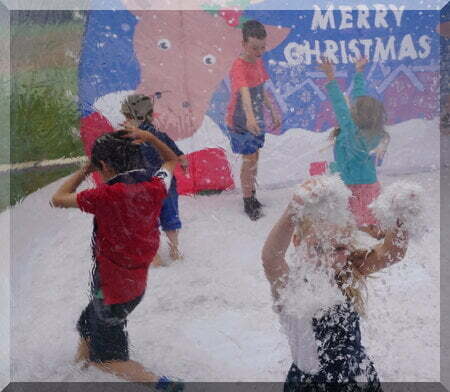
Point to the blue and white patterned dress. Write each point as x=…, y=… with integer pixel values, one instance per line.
x=328, y=354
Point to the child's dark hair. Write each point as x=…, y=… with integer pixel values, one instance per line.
x=117, y=151
x=254, y=29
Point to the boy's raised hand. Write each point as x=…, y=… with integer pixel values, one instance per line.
x=88, y=168
x=133, y=131
x=129, y=125
x=184, y=163
x=360, y=63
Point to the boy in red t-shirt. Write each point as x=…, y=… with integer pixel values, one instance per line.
x=245, y=118
x=126, y=209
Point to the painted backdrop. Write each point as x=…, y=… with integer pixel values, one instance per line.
x=186, y=56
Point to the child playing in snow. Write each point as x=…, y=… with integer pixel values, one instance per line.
x=138, y=110
x=361, y=136
x=245, y=118
x=319, y=296
x=125, y=239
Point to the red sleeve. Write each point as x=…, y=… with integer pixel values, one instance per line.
x=157, y=189
x=89, y=199
x=237, y=76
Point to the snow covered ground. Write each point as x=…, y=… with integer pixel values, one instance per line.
x=208, y=317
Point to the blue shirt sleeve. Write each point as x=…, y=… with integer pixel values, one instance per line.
x=341, y=110
x=346, y=142
x=164, y=137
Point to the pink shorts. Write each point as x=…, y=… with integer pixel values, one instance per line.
x=362, y=196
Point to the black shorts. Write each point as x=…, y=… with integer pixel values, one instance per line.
x=104, y=327
x=298, y=381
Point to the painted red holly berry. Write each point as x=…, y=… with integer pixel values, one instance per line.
x=231, y=17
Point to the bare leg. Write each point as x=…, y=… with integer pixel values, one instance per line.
x=172, y=236
x=248, y=173
x=255, y=172
x=157, y=262
x=82, y=354
x=128, y=370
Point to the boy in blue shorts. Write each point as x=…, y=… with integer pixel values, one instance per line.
x=125, y=240
x=245, y=119
x=138, y=110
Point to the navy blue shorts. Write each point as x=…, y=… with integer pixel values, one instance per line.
x=244, y=142
x=104, y=328
x=169, y=217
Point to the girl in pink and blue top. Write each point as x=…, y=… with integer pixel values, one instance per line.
x=360, y=142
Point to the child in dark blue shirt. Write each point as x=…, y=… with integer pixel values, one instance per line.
x=138, y=110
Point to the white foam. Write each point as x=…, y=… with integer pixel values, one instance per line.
x=325, y=198
x=405, y=201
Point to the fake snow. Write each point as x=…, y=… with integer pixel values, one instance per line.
x=208, y=317
x=324, y=198
x=404, y=201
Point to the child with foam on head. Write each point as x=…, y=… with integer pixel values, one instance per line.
x=245, y=113
x=125, y=240
x=319, y=295
x=360, y=142
x=138, y=111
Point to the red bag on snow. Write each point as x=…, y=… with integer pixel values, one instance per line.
x=208, y=170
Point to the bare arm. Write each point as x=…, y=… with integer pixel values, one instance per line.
x=276, y=121
x=252, y=125
x=65, y=196
x=274, y=251
x=184, y=163
x=391, y=251
x=384, y=143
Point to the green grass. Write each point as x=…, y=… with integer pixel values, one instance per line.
x=33, y=30
x=44, y=121
x=56, y=78
x=4, y=120
x=39, y=116
x=44, y=125
x=14, y=188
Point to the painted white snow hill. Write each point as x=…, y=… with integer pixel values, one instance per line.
x=285, y=159
x=208, y=317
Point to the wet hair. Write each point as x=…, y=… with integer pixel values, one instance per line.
x=118, y=152
x=253, y=29
x=369, y=114
x=352, y=284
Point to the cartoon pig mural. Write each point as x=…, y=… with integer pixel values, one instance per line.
x=185, y=55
